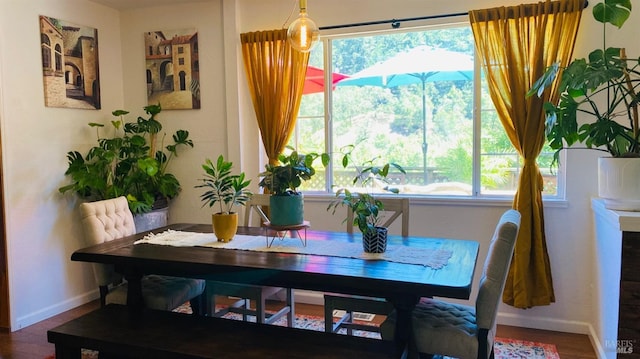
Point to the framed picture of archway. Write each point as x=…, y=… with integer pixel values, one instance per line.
x=70, y=68
x=172, y=68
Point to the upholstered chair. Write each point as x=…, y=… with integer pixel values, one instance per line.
x=461, y=331
x=110, y=219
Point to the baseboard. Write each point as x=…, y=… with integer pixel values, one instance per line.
x=46, y=313
x=595, y=342
x=568, y=326
x=309, y=297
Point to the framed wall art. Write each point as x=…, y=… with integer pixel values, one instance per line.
x=69, y=64
x=173, y=68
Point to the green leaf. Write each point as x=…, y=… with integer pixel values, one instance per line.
x=615, y=12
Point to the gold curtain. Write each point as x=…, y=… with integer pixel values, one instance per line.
x=276, y=74
x=516, y=45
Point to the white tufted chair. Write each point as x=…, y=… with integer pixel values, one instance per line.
x=110, y=219
x=458, y=330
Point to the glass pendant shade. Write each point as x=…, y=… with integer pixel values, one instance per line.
x=303, y=33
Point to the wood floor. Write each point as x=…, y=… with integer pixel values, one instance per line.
x=31, y=342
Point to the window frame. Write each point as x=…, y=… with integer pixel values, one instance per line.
x=476, y=198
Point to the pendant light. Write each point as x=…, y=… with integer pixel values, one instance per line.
x=303, y=33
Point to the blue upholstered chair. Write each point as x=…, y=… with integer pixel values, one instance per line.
x=461, y=331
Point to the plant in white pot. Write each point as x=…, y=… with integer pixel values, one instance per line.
x=598, y=108
x=365, y=206
x=283, y=182
x=226, y=190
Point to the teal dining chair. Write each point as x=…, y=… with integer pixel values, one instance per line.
x=462, y=331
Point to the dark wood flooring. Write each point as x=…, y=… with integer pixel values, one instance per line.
x=31, y=342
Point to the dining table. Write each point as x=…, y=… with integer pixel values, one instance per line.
x=412, y=267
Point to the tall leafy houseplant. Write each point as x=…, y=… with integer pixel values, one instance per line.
x=283, y=182
x=131, y=162
x=602, y=89
x=227, y=190
x=598, y=108
x=365, y=206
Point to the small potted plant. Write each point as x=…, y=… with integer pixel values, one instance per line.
x=598, y=107
x=131, y=162
x=227, y=190
x=283, y=181
x=364, y=205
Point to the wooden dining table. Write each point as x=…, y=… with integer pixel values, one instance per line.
x=400, y=283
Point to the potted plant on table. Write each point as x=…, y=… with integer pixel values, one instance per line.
x=132, y=162
x=283, y=181
x=227, y=190
x=365, y=206
x=598, y=107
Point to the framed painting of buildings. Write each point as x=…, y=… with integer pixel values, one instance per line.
x=172, y=68
x=69, y=64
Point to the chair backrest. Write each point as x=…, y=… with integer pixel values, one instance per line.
x=257, y=203
x=396, y=207
x=104, y=221
x=496, y=268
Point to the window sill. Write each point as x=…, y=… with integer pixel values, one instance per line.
x=450, y=201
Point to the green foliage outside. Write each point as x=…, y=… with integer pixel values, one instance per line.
x=388, y=122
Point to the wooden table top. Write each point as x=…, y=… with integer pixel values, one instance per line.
x=301, y=271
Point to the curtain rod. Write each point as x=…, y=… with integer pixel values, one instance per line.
x=395, y=23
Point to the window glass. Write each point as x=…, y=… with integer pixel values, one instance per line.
x=410, y=98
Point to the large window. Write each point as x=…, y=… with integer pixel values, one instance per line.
x=413, y=98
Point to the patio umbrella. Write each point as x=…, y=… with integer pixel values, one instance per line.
x=418, y=65
x=314, y=80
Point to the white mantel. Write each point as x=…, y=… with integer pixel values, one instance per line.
x=609, y=226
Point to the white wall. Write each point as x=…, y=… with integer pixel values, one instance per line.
x=41, y=225
x=42, y=230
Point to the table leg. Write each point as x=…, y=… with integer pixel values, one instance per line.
x=405, y=344
x=66, y=352
x=134, y=291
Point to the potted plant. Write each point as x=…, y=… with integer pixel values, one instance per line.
x=131, y=162
x=283, y=181
x=598, y=107
x=364, y=204
x=227, y=190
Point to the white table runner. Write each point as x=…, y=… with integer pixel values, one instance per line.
x=430, y=257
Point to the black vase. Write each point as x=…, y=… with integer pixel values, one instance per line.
x=375, y=241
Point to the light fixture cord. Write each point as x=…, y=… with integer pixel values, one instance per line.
x=291, y=13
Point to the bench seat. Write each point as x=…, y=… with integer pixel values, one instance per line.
x=116, y=332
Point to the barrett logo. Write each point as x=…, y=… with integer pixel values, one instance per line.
x=625, y=346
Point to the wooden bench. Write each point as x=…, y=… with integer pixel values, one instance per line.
x=116, y=332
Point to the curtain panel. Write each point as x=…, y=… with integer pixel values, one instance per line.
x=516, y=44
x=275, y=73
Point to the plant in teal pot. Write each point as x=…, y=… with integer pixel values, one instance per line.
x=282, y=181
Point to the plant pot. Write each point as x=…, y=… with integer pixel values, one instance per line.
x=286, y=210
x=375, y=241
x=151, y=220
x=619, y=183
x=225, y=226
